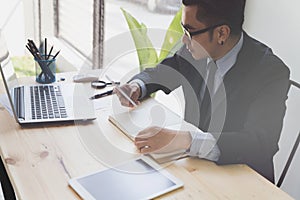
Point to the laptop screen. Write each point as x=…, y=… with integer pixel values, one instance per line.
x=7, y=70
x=9, y=74
x=6, y=65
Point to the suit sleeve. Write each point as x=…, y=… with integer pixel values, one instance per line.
x=166, y=76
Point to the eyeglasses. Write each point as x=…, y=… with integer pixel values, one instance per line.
x=191, y=34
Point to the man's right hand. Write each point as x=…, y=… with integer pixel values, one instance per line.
x=132, y=90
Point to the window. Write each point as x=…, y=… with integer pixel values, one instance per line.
x=156, y=19
x=157, y=16
x=79, y=23
x=74, y=24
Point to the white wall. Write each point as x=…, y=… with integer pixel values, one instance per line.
x=12, y=25
x=276, y=23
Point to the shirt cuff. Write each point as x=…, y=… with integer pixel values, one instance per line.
x=142, y=87
x=204, y=146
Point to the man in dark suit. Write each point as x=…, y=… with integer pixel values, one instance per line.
x=234, y=87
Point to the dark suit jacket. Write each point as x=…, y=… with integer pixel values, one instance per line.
x=250, y=109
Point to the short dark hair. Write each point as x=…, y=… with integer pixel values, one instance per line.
x=211, y=12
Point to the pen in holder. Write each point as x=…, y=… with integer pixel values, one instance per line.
x=45, y=67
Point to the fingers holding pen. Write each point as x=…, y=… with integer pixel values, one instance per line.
x=131, y=90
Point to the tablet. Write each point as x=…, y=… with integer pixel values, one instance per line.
x=134, y=179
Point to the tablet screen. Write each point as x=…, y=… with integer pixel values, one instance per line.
x=133, y=180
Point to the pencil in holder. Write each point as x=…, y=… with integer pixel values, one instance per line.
x=45, y=69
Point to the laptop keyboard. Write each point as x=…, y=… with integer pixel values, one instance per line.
x=47, y=102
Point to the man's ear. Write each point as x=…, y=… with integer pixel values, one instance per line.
x=223, y=34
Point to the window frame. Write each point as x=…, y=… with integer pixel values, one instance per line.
x=37, y=14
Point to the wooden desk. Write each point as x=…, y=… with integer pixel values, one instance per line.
x=40, y=161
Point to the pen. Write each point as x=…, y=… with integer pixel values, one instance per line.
x=55, y=55
x=30, y=51
x=45, y=53
x=50, y=53
x=122, y=92
x=36, y=54
x=104, y=94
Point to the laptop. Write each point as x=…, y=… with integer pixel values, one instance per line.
x=43, y=102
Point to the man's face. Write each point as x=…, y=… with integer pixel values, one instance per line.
x=201, y=45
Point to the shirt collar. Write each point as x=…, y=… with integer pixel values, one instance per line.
x=227, y=61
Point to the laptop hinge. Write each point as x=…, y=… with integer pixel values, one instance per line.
x=19, y=102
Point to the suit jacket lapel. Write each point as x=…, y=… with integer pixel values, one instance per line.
x=234, y=76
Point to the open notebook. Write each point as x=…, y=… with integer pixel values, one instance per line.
x=151, y=113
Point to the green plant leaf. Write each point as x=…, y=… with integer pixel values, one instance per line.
x=147, y=55
x=23, y=65
x=172, y=40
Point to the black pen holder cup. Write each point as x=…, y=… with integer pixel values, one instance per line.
x=45, y=69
